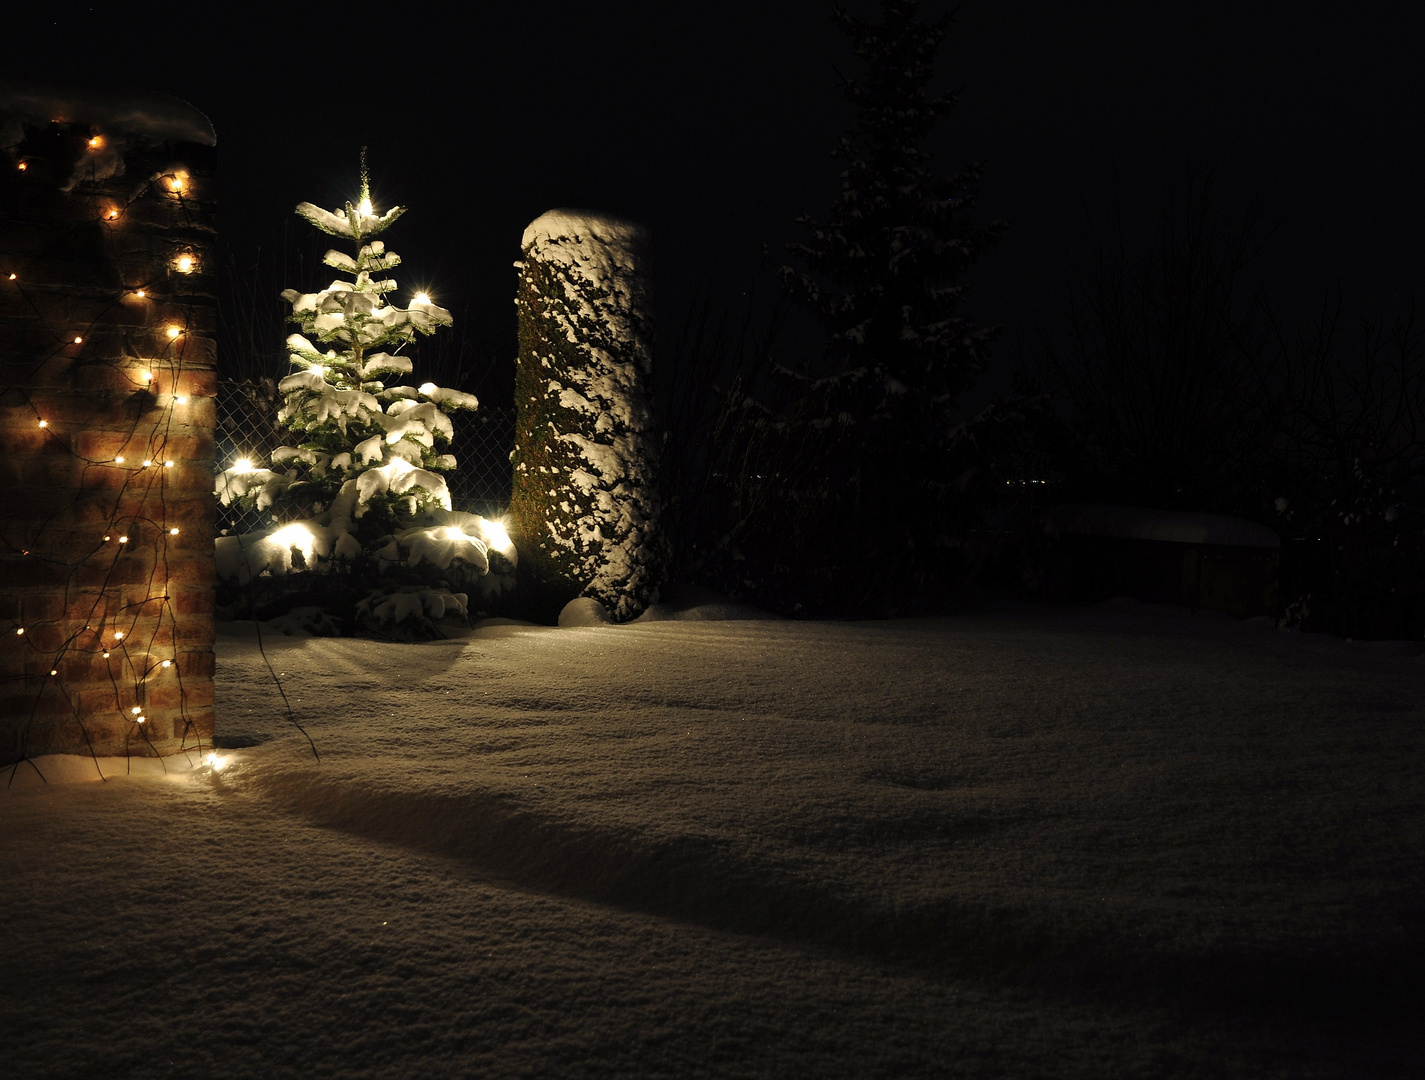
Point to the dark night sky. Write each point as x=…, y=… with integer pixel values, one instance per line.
x=713, y=127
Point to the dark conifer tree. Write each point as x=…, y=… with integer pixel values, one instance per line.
x=883, y=277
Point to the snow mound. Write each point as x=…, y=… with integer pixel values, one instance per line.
x=584, y=611
x=693, y=603
x=47, y=769
x=681, y=603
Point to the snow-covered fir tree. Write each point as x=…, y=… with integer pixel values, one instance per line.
x=883, y=273
x=585, y=503
x=361, y=486
x=873, y=418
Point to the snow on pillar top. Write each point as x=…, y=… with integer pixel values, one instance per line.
x=125, y=119
x=141, y=114
x=607, y=253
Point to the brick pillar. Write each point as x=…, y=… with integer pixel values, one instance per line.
x=107, y=320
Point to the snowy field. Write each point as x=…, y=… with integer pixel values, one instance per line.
x=1018, y=843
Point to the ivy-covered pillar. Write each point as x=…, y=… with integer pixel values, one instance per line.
x=585, y=507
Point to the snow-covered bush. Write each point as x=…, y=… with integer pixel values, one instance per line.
x=585, y=505
x=361, y=488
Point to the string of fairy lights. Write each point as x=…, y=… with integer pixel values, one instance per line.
x=109, y=613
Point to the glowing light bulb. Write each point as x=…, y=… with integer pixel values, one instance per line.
x=421, y=298
x=172, y=532
x=185, y=264
x=12, y=277
x=106, y=539
x=78, y=340
x=140, y=719
x=136, y=709
x=23, y=166
x=364, y=209
x=122, y=540
x=496, y=534
x=20, y=630
x=319, y=369
x=216, y=762
x=175, y=183
x=181, y=399
x=147, y=462
x=44, y=423
x=168, y=464
x=106, y=654
x=118, y=635
x=111, y=214
x=118, y=461
x=95, y=142
x=242, y=465
x=173, y=332
x=140, y=293
x=52, y=671
x=167, y=663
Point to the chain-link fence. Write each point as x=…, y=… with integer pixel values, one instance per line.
x=248, y=428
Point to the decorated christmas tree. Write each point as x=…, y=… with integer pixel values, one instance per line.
x=361, y=488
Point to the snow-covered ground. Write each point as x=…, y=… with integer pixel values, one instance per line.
x=1016, y=843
